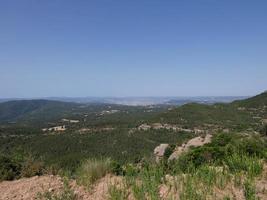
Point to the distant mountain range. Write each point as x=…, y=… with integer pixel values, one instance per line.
x=140, y=101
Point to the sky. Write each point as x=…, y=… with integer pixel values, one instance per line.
x=120, y=48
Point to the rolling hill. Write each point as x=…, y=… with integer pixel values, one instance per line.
x=21, y=110
x=240, y=115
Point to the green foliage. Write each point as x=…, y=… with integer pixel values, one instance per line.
x=91, y=170
x=236, y=116
x=116, y=168
x=212, y=175
x=197, y=115
x=117, y=193
x=250, y=190
x=138, y=190
x=229, y=157
x=168, y=151
x=67, y=151
x=31, y=167
x=130, y=170
x=242, y=162
x=225, y=147
x=146, y=181
x=14, y=166
x=253, y=102
x=34, y=110
x=9, y=168
x=191, y=190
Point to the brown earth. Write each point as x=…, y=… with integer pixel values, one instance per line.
x=33, y=188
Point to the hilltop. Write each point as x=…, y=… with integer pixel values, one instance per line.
x=257, y=101
x=238, y=115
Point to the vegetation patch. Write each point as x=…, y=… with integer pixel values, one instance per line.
x=91, y=170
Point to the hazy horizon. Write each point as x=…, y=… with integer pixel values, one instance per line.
x=119, y=97
x=132, y=48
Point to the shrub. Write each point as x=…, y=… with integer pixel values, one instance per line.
x=130, y=170
x=253, y=146
x=169, y=150
x=199, y=156
x=116, y=168
x=32, y=168
x=9, y=169
x=222, y=139
x=92, y=170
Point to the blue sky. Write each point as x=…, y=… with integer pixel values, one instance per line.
x=132, y=48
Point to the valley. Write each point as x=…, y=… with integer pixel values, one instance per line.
x=44, y=137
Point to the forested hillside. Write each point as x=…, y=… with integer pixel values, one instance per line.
x=100, y=139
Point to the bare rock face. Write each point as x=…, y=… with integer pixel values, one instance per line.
x=144, y=127
x=195, y=142
x=176, y=154
x=198, y=141
x=159, y=151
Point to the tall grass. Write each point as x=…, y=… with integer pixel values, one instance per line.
x=251, y=165
x=144, y=184
x=191, y=190
x=250, y=190
x=200, y=182
x=91, y=170
x=117, y=193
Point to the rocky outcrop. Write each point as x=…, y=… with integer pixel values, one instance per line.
x=171, y=127
x=195, y=142
x=159, y=151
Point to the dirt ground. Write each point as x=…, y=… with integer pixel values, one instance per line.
x=31, y=188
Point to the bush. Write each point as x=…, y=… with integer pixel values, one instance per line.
x=116, y=168
x=222, y=139
x=92, y=170
x=199, y=156
x=253, y=146
x=32, y=168
x=9, y=169
x=169, y=150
